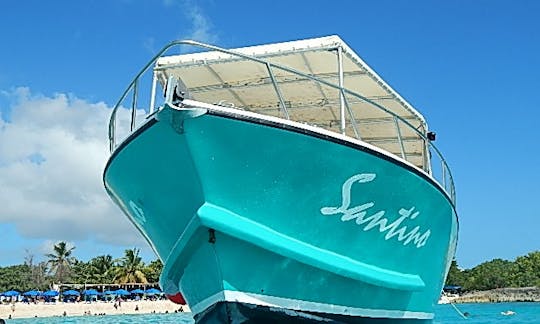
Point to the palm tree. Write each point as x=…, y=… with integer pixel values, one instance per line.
x=130, y=268
x=61, y=261
x=101, y=269
x=153, y=270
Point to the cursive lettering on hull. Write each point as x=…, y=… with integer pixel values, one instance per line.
x=367, y=216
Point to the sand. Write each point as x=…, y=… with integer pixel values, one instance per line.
x=23, y=310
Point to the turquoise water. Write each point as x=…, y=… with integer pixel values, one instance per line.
x=479, y=313
x=489, y=313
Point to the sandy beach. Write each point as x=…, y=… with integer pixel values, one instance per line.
x=23, y=310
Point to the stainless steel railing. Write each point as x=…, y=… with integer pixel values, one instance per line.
x=443, y=176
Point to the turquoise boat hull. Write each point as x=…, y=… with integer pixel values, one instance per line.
x=249, y=213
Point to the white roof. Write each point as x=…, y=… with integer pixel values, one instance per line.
x=217, y=77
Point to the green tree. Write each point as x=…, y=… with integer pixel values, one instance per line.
x=153, y=270
x=38, y=272
x=102, y=269
x=15, y=277
x=80, y=272
x=130, y=268
x=527, y=270
x=493, y=274
x=455, y=275
x=61, y=261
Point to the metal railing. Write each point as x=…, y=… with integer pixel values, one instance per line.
x=444, y=178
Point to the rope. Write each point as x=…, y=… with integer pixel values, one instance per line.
x=458, y=311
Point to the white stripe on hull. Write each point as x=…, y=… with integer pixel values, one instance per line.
x=302, y=305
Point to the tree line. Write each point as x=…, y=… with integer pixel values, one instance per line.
x=62, y=267
x=498, y=273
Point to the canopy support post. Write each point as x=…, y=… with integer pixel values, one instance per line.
x=351, y=115
x=400, y=140
x=341, y=96
x=427, y=157
x=153, y=93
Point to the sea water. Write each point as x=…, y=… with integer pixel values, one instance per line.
x=477, y=313
x=488, y=313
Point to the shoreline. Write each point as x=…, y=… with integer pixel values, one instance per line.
x=500, y=295
x=24, y=310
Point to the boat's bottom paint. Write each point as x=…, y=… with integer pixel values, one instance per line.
x=237, y=312
x=287, y=304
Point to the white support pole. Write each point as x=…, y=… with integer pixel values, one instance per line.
x=153, y=93
x=341, y=96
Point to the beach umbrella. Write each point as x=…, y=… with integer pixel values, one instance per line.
x=137, y=291
x=11, y=293
x=121, y=292
x=32, y=293
x=90, y=292
x=108, y=292
x=50, y=293
x=153, y=291
x=71, y=293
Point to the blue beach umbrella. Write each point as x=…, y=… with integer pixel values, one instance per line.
x=32, y=293
x=108, y=292
x=122, y=292
x=153, y=291
x=137, y=291
x=50, y=293
x=90, y=292
x=71, y=293
x=11, y=293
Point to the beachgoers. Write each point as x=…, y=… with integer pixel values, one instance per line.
x=42, y=309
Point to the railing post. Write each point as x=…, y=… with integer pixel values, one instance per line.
x=341, y=96
x=443, y=167
x=276, y=87
x=134, y=105
x=112, y=134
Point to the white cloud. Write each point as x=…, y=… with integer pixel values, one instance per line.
x=52, y=154
x=150, y=45
x=201, y=27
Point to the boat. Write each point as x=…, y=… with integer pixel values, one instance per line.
x=283, y=182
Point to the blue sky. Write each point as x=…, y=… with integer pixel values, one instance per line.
x=472, y=68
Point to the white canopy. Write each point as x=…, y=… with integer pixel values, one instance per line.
x=225, y=79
